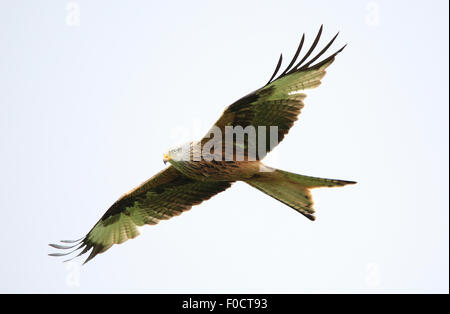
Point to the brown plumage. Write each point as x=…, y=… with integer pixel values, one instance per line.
x=189, y=182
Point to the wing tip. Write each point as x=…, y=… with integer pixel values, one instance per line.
x=301, y=65
x=77, y=244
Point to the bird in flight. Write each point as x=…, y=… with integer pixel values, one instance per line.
x=195, y=174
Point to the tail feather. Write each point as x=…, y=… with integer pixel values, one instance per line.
x=313, y=182
x=292, y=189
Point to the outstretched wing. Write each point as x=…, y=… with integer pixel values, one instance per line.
x=163, y=196
x=279, y=102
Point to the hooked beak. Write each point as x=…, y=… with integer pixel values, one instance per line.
x=166, y=158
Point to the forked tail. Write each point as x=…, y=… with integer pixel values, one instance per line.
x=292, y=189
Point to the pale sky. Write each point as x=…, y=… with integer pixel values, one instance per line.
x=94, y=92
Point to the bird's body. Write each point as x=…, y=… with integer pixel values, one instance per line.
x=218, y=170
x=231, y=151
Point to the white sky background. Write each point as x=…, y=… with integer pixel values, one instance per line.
x=88, y=111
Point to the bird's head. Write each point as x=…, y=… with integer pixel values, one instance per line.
x=178, y=154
